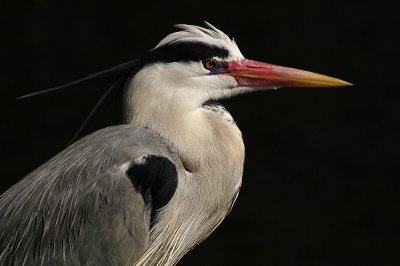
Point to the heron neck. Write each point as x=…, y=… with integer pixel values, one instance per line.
x=211, y=149
x=203, y=138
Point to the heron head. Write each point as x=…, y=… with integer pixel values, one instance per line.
x=200, y=64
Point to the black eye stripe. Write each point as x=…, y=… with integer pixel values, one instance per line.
x=183, y=52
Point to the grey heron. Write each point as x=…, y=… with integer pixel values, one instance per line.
x=148, y=191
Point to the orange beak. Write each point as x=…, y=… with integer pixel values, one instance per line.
x=253, y=73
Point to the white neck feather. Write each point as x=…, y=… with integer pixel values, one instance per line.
x=211, y=150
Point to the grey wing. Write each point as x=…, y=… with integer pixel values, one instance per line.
x=81, y=207
x=112, y=223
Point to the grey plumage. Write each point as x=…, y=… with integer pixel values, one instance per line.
x=87, y=211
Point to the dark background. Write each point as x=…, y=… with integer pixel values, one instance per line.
x=321, y=181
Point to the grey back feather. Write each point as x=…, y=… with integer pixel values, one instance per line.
x=79, y=208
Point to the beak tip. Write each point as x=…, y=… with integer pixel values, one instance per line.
x=344, y=83
x=325, y=81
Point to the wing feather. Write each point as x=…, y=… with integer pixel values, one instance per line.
x=80, y=208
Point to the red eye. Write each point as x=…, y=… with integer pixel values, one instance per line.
x=209, y=64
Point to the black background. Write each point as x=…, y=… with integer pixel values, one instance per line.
x=321, y=181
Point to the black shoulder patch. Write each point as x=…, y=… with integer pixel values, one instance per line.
x=184, y=51
x=156, y=179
